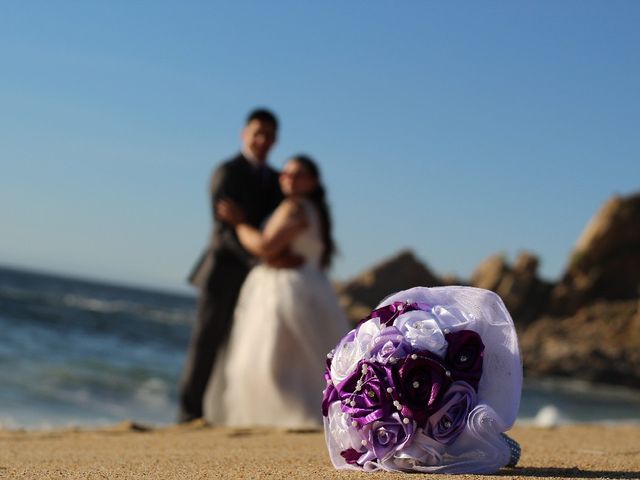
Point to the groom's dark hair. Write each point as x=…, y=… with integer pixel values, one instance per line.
x=262, y=115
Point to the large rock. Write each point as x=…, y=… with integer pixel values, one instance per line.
x=587, y=326
x=490, y=272
x=605, y=263
x=524, y=294
x=600, y=343
x=361, y=294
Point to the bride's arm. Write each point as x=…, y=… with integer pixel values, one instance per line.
x=287, y=221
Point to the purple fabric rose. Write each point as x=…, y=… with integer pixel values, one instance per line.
x=464, y=356
x=363, y=394
x=390, y=344
x=388, y=313
x=420, y=381
x=386, y=436
x=385, y=314
x=329, y=394
x=447, y=423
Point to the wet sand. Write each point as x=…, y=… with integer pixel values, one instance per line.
x=196, y=451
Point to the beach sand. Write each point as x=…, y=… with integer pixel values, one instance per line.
x=200, y=452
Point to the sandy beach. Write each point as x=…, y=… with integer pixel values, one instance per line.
x=197, y=452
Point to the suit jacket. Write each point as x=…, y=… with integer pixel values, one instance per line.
x=257, y=192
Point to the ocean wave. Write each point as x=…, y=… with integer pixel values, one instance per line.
x=96, y=304
x=550, y=417
x=9, y=423
x=19, y=294
x=166, y=316
x=154, y=394
x=578, y=387
x=28, y=422
x=158, y=312
x=58, y=399
x=558, y=401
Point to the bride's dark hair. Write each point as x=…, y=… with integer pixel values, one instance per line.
x=318, y=198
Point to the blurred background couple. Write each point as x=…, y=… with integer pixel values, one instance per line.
x=267, y=313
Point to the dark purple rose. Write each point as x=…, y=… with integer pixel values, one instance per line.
x=390, y=343
x=388, y=313
x=386, y=436
x=363, y=394
x=385, y=314
x=464, y=356
x=447, y=423
x=329, y=394
x=420, y=381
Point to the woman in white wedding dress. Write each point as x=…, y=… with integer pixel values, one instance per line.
x=286, y=320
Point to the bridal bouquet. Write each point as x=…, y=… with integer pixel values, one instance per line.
x=428, y=382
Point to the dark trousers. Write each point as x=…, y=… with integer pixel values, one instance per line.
x=211, y=331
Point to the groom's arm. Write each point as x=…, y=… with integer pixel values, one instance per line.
x=224, y=184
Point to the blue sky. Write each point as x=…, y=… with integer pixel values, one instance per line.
x=457, y=129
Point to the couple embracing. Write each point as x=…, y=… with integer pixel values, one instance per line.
x=267, y=313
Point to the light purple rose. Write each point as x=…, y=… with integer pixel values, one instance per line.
x=386, y=436
x=448, y=422
x=389, y=345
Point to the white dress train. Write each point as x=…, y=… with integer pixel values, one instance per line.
x=285, y=322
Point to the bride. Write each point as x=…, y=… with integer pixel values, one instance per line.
x=286, y=320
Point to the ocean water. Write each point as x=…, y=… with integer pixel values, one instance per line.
x=74, y=352
x=81, y=353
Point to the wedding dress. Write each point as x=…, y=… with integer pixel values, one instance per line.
x=285, y=323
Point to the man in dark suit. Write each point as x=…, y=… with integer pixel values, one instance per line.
x=253, y=185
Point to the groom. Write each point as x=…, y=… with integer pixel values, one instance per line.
x=220, y=272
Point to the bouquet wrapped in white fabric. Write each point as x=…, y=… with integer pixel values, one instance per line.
x=428, y=382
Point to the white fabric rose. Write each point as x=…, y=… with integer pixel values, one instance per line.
x=368, y=331
x=349, y=353
x=451, y=318
x=422, y=331
x=341, y=430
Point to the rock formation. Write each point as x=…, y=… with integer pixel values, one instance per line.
x=524, y=294
x=586, y=326
x=600, y=343
x=605, y=264
x=359, y=295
